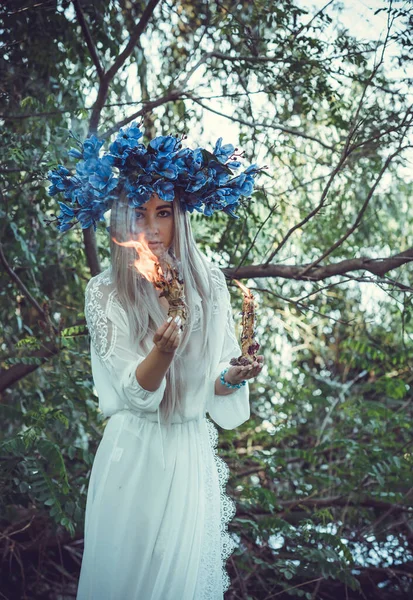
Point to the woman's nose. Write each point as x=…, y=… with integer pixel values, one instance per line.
x=152, y=228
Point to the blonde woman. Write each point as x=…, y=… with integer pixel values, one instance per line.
x=157, y=512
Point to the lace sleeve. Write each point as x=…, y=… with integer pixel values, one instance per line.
x=111, y=343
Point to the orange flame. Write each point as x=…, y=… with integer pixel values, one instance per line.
x=244, y=288
x=145, y=264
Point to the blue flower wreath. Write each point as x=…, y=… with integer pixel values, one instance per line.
x=204, y=179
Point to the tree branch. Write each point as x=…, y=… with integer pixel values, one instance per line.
x=14, y=277
x=265, y=125
x=359, y=216
x=149, y=105
x=118, y=63
x=88, y=38
x=377, y=266
x=9, y=377
x=89, y=237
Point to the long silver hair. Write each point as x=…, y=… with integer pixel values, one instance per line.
x=139, y=298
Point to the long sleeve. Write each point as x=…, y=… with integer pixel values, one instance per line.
x=114, y=355
x=234, y=409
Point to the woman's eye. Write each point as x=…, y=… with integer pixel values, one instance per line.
x=166, y=213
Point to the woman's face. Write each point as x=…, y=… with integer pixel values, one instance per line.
x=156, y=220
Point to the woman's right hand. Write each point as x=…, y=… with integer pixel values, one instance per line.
x=168, y=336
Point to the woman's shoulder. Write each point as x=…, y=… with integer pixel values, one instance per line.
x=218, y=277
x=102, y=281
x=101, y=289
x=102, y=301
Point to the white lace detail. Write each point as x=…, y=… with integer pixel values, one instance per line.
x=227, y=505
x=103, y=341
x=220, y=286
x=197, y=318
x=218, y=278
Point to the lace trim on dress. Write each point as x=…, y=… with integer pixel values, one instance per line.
x=227, y=505
x=103, y=340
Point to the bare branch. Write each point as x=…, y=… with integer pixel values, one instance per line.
x=301, y=306
x=147, y=107
x=89, y=237
x=317, y=209
x=15, y=373
x=118, y=63
x=265, y=125
x=14, y=277
x=91, y=251
x=88, y=38
x=359, y=216
x=377, y=266
x=347, y=150
x=313, y=18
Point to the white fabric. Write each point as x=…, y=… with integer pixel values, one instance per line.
x=157, y=511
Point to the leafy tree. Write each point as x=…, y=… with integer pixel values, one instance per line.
x=322, y=472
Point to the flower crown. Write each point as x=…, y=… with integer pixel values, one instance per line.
x=204, y=180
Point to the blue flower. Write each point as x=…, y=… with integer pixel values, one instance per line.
x=138, y=193
x=75, y=153
x=92, y=214
x=228, y=195
x=197, y=182
x=163, y=144
x=65, y=219
x=219, y=172
x=103, y=179
x=59, y=179
x=91, y=147
x=233, y=164
x=243, y=184
x=165, y=190
x=86, y=168
x=203, y=180
x=252, y=169
x=221, y=152
x=163, y=166
x=229, y=210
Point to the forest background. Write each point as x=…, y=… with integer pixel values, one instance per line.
x=322, y=472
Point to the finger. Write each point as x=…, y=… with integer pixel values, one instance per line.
x=178, y=338
x=160, y=331
x=174, y=339
x=254, y=371
x=173, y=326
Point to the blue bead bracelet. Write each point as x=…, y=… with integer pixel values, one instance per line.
x=232, y=386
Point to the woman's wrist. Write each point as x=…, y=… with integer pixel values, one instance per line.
x=224, y=379
x=222, y=390
x=226, y=388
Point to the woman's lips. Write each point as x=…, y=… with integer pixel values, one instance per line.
x=153, y=243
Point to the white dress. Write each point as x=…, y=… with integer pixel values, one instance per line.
x=157, y=511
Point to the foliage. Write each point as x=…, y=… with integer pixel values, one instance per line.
x=322, y=472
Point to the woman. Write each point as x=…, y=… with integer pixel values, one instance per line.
x=157, y=512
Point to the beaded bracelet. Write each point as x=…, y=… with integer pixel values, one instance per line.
x=231, y=385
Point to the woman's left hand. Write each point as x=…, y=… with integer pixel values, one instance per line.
x=236, y=374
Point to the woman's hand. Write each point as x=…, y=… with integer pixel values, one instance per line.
x=168, y=336
x=237, y=374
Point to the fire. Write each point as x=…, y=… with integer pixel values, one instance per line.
x=146, y=262
x=243, y=287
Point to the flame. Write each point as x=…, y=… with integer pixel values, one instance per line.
x=145, y=264
x=244, y=288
